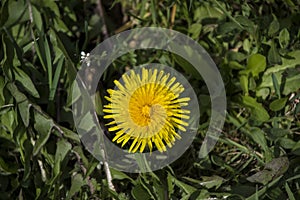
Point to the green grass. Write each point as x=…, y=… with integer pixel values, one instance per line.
x=256, y=46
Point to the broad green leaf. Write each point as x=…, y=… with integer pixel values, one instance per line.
x=43, y=126
x=26, y=82
x=70, y=134
x=235, y=65
x=274, y=27
x=244, y=83
x=62, y=149
x=259, y=137
x=207, y=181
x=256, y=64
x=286, y=143
x=195, y=30
x=278, y=104
x=227, y=27
x=273, y=55
x=206, y=11
x=52, y=5
x=24, y=109
x=262, y=191
x=290, y=82
x=76, y=183
x=284, y=38
x=276, y=86
x=272, y=170
x=20, y=97
x=16, y=17
x=118, y=175
x=185, y=187
x=37, y=18
x=275, y=133
x=278, y=166
x=296, y=148
x=159, y=189
x=139, y=192
x=246, y=45
x=258, y=112
x=246, y=23
x=262, y=177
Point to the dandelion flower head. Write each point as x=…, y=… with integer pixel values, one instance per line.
x=147, y=109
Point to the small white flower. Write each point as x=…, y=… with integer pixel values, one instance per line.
x=85, y=57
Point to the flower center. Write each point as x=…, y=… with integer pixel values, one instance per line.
x=146, y=111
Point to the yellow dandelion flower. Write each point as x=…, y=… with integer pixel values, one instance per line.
x=147, y=110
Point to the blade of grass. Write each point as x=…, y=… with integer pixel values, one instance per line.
x=56, y=78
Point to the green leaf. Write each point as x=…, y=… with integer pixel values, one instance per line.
x=284, y=38
x=26, y=82
x=188, y=67
x=24, y=109
x=76, y=183
x=263, y=190
x=27, y=165
x=256, y=64
x=286, y=143
x=207, y=181
x=43, y=126
x=286, y=73
x=118, y=175
x=170, y=184
x=278, y=166
x=235, y=65
x=259, y=137
x=244, y=83
x=2, y=86
x=62, y=149
x=4, y=13
x=272, y=170
x=56, y=78
x=70, y=134
x=276, y=85
x=195, y=30
x=139, y=192
x=227, y=27
x=185, y=187
x=258, y=112
x=37, y=18
x=16, y=17
x=278, y=104
x=275, y=133
x=289, y=192
x=246, y=45
x=274, y=27
x=273, y=55
x=7, y=62
x=20, y=97
x=208, y=12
